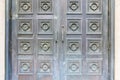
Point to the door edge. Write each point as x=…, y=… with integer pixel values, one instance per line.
x=111, y=35
x=8, y=66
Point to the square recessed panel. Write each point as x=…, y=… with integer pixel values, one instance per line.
x=94, y=6
x=45, y=6
x=25, y=26
x=74, y=67
x=93, y=77
x=74, y=6
x=94, y=46
x=74, y=26
x=25, y=77
x=73, y=46
x=44, y=77
x=45, y=26
x=94, y=67
x=73, y=77
x=25, y=66
x=45, y=66
x=94, y=26
x=25, y=6
x=45, y=46
x=25, y=46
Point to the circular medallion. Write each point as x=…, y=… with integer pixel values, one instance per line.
x=74, y=67
x=25, y=6
x=45, y=27
x=74, y=47
x=45, y=47
x=25, y=67
x=26, y=46
x=94, y=67
x=94, y=6
x=45, y=67
x=74, y=6
x=74, y=27
x=94, y=27
x=25, y=26
x=94, y=47
x=45, y=7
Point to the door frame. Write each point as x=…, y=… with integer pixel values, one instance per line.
x=8, y=34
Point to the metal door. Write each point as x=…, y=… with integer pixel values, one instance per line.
x=60, y=40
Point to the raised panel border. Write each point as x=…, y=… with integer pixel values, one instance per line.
x=91, y=13
x=79, y=52
x=100, y=45
x=101, y=26
x=25, y=12
x=47, y=13
x=76, y=12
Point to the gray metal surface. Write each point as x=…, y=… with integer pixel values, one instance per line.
x=60, y=40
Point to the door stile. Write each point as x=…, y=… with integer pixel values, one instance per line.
x=57, y=39
x=106, y=40
x=62, y=37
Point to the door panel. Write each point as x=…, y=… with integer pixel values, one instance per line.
x=60, y=40
x=85, y=55
x=34, y=37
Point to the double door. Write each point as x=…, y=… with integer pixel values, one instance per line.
x=59, y=40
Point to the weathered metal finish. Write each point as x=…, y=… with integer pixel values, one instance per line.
x=59, y=40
